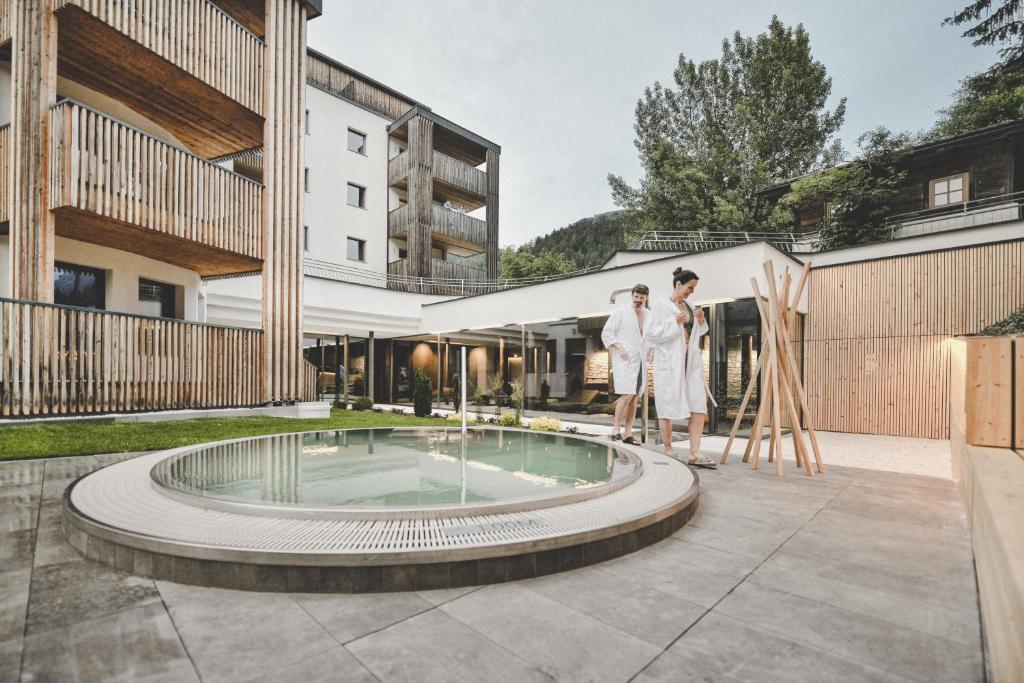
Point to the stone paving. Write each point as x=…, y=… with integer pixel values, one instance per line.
x=856, y=575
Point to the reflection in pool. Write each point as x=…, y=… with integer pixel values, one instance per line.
x=396, y=468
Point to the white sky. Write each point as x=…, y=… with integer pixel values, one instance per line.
x=555, y=82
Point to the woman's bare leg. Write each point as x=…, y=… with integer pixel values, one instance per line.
x=666, y=435
x=629, y=417
x=696, y=430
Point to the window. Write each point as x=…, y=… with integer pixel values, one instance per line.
x=305, y=179
x=356, y=195
x=356, y=249
x=79, y=286
x=307, y=122
x=161, y=294
x=950, y=190
x=305, y=238
x=356, y=142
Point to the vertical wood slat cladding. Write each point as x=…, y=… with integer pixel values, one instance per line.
x=33, y=92
x=282, y=172
x=1018, y=392
x=110, y=169
x=57, y=360
x=421, y=195
x=460, y=174
x=877, y=360
x=5, y=21
x=492, y=214
x=310, y=378
x=194, y=35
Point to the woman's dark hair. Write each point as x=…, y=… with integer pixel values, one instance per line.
x=683, y=276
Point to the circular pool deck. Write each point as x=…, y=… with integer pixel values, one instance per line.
x=119, y=516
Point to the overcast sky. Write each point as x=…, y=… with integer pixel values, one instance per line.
x=555, y=82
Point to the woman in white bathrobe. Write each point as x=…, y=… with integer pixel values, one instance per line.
x=676, y=330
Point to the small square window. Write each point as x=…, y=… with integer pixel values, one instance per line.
x=305, y=179
x=356, y=249
x=356, y=195
x=305, y=238
x=948, y=190
x=356, y=142
x=307, y=122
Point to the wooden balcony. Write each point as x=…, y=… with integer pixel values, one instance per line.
x=6, y=9
x=445, y=278
x=454, y=180
x=184, y=64
x=447, y=227
x=59, y=360
x=115, y=186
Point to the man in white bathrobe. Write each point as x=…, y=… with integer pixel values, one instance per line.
x=623, y=335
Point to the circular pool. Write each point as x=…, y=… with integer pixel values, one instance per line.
x=379, y=473
x=377, y=510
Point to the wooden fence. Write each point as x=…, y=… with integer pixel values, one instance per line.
x=194, y=35
x=110, y=169
x=310, y=381
x=986, y=393
x=59, y=360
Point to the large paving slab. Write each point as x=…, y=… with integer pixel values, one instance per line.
x=857, y=575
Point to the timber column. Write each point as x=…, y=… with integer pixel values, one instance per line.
x=421, y=194
x=285, y=74
x=33, y=92
x=492, y=214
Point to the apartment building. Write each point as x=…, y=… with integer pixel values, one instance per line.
x=115, y=206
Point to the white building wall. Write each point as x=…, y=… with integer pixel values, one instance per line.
x=331, y=167
x=123, y=271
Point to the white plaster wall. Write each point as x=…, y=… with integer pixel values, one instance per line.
x=331, y=167
x=625, y=258
x=123, y=272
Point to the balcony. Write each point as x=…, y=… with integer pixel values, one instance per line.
x=452, y=228
x=445, y=278
x=454, y=180
x=6, y=7
x=187, y=66
x=978, y=212
x=115, y=186
x=71, y=361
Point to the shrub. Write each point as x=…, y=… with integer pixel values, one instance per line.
x=545, y=392
x=457, y=390
x=422, y=394
x=339, y=404
x=454, y=417
x=516, y=399
x=1012, y=324
x=363, y=403
x=546, y=424
x=509, y=420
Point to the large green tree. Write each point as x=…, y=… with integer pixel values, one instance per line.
x=729, y=127
x=995, y=95
x=522, y=263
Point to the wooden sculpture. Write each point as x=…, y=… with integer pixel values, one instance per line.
x=782, y=394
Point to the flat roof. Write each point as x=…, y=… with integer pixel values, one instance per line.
x=444, y=123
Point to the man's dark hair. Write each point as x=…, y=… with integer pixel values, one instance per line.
x=641, y=289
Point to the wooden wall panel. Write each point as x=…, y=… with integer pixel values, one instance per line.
x=341, y=82
x=33, y=92
x=492, y=214
x=421, y=195
x=5, y=172
x=876, y=355
x=282, y=172
x=1018, y=395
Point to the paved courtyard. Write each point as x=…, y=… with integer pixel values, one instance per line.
x=856, y=575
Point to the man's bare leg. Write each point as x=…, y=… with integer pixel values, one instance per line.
x=629, y=416
x=620, y=410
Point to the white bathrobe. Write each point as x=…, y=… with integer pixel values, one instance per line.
x=624, y=329
x=678, y=365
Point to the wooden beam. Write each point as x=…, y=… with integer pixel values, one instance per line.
x=421, y=192
x=492, y=214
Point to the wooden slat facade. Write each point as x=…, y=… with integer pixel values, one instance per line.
x=310, y=379
x=5, y=21
x=492, y=214
x=336, y=80
x=460, y=175
x=59, y=360
x=5, y=190
x=194, y=35
x=876, y=349
x=458, y=229
x=420, y=196
x=108, y=169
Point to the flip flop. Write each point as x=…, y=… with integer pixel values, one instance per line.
x=702, y=461
x=630, y=440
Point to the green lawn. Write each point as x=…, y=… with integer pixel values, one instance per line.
x=87, y=438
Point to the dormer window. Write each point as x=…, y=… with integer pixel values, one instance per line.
x=949, y=190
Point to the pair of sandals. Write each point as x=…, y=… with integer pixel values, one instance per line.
x=628, y=440
x=701, y=461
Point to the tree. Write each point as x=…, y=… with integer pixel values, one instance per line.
x=422, y=394
x=857, y=193
x=522, y=263
x=728, y=128
x=996, y=95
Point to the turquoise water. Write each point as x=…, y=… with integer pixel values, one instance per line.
x=382, y=468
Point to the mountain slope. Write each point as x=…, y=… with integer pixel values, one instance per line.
x=587, y=242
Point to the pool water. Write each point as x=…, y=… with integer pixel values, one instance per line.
x=397, y=468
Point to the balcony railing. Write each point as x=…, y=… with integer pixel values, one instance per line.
x=6, y=7
x=460, y=174
x=59, y=360
x=106, y=168
x=698, y=240
x=194, y=35
x=398, y=169
x=5, y=194
x=447, y=226
x=999, y=209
